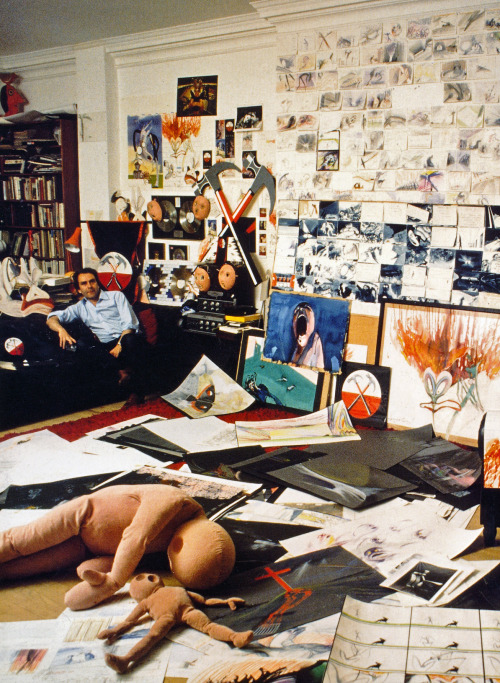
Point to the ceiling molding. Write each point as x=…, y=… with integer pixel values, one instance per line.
x=195, y=40
x=237, y=33
x=296, y=15
x=203, y=38
x=53, y=58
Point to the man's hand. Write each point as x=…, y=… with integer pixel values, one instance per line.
x=64, y=336
x=116, y=350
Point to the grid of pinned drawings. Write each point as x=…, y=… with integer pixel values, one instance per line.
x=371, y=251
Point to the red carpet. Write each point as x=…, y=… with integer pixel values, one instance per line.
x=75, y=429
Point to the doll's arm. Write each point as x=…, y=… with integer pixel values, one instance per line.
x=232, y=603
x=156, y=510
x=111, y=634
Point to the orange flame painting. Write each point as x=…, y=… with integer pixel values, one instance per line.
x=179, y=131
x=449, y=348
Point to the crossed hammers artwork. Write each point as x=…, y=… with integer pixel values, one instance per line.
x=263, y=179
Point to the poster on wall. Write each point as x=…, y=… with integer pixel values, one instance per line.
x=249, y=118
x=306, y=330
x=444, y=364
x=197, y=96
x=181, y=163
x=224, y=138
x=144, y=135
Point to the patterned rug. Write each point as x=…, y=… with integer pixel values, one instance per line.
x=76, y=428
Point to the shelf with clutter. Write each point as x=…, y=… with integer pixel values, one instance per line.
x=39, y=196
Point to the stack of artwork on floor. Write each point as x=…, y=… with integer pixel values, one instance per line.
x=344, y=537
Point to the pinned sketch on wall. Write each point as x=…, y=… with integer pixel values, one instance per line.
x=197, y=96
x=180, y=161
x=144, y=137
x=249, y=118
x=448, y=356
x=224, y=138
x=307, y=331
x=328, y=151
x=374, y=251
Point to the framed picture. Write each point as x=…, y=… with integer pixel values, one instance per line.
x=275, y=383
x=307, y=330
x=365, y=392
x=197, y=96
x=177, y=252
x=156, y=251
x=445, y=368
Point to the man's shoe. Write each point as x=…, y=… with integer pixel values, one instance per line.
x=123, y=377
x=133, y=400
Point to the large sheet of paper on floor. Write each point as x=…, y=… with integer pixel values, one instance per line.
x=330, y=424
x=379, y=642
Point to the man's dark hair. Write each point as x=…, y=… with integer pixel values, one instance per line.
x=82, y=271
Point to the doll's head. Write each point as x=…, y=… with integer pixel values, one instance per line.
x=201, y=553
x=142, y=585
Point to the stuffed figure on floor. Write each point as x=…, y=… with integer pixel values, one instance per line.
x=106, y=533
x=168, y=606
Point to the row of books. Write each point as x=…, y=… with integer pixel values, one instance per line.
x=43, y=188
x=47, y=244
x=55, y=267
x=39, y=215
x=50, y=215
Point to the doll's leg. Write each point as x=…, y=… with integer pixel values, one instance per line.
x=56, y=526
x=199, y=620
x=62, y=556
x=123, y=663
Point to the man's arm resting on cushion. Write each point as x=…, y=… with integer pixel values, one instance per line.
x=64, y=336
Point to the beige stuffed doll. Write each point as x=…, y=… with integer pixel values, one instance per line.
x=115, y=527
x=168, y=606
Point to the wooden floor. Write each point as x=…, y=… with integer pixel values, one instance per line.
x=41, y=597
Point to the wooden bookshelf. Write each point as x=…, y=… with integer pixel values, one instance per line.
x=39, y=198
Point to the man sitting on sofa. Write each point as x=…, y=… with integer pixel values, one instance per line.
x=117, y=339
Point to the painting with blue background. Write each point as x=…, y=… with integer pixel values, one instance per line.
x=331, y=322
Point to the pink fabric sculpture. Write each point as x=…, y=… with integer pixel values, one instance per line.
x=108, y=532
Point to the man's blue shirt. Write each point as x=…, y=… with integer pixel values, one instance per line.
x=107, y=319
